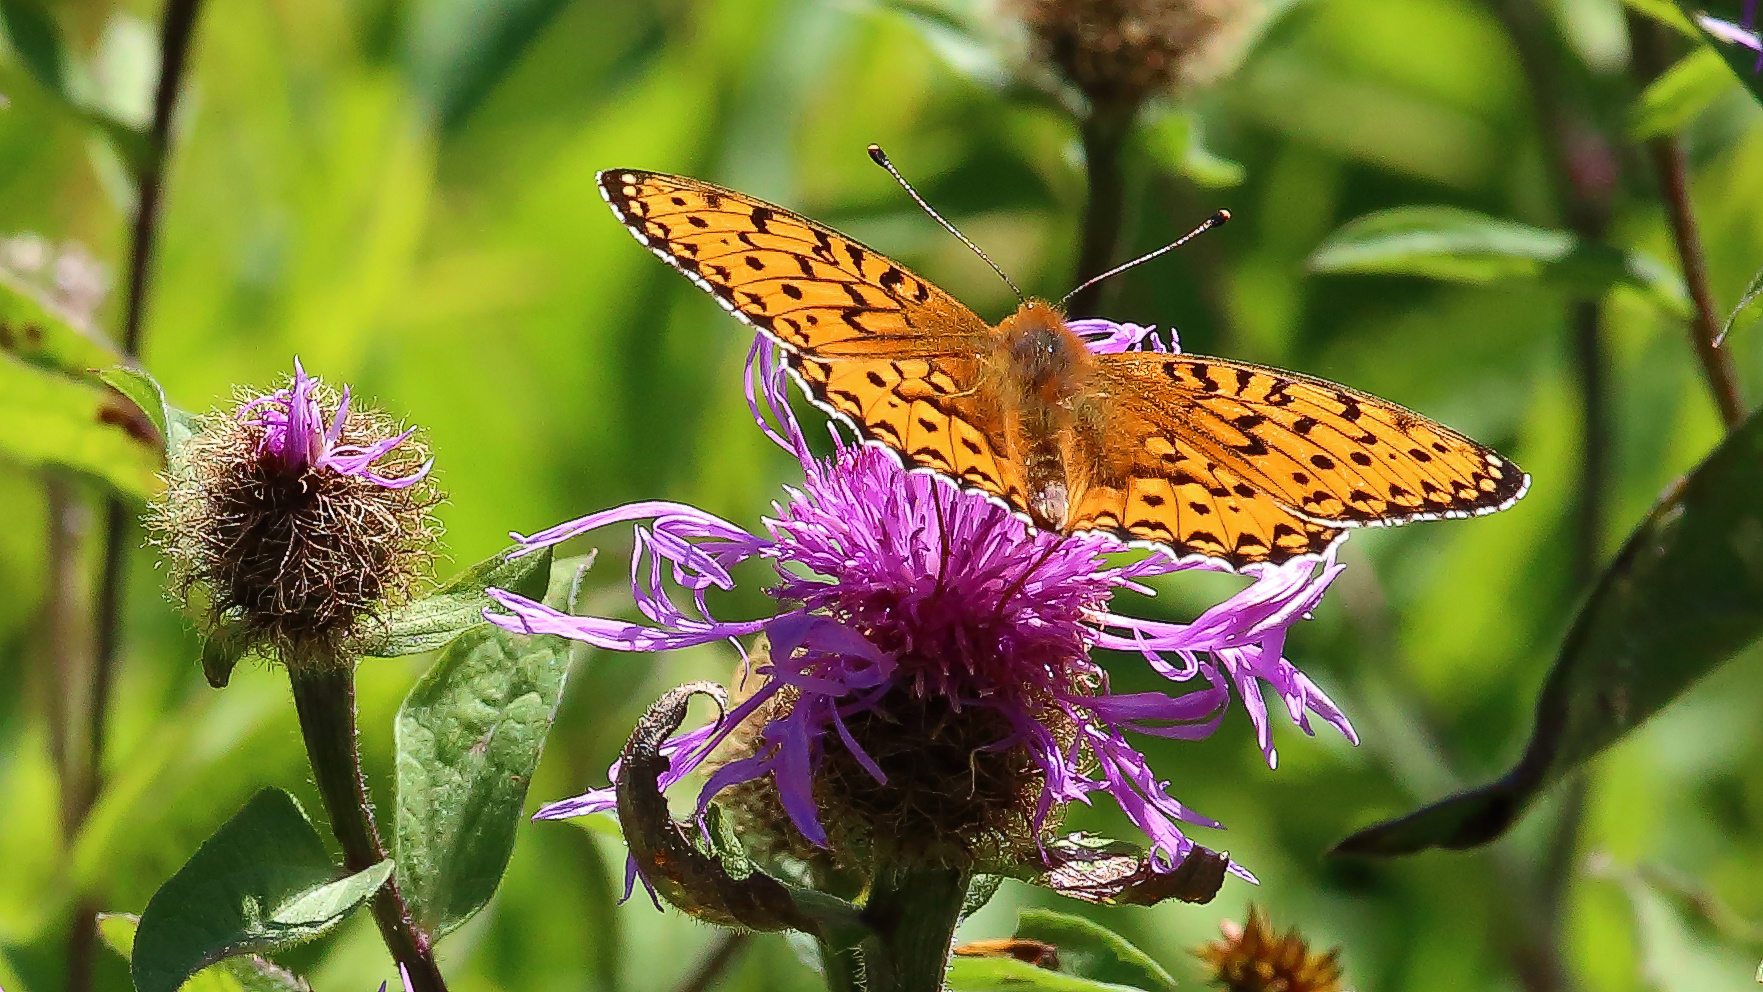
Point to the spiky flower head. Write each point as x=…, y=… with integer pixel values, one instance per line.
x=1251, y=957
x=926, y=691
x=293, y=521
x=1119, y=52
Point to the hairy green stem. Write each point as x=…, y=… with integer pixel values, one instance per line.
x=913, y=912
x=325, y=700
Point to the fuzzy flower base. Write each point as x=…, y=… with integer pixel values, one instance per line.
x=911, y=618
x=291, y=530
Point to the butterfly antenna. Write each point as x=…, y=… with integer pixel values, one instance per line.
x=881, y=159
x=1216, y=220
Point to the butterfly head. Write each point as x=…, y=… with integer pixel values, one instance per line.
x=1041, y=356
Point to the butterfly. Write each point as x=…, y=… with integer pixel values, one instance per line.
x=1198, y=457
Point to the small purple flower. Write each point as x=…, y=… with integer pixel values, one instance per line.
x=296, y=440
x=892, y=582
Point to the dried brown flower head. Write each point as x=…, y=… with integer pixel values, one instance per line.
x=1252, y=958
x=291, y=523
x=1118, y=52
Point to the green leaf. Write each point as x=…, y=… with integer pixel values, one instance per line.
x=245, y=973
x=1739, y=59
x=434, y=620
x=143, y=391
x=48, y=419
x=1679, y=95
x=1456, y=245
x=457, y=50
x=1665, y=12
x=1010, y=975
x=1089, y=950
x=469, y=735
x=39, y=332
x=1683, y=596
x=1176, y=140
x=35, y=36
x=1688, y=940
x=262, y=882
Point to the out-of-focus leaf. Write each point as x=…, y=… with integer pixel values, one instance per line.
x=434, y=620
x=968, y=974
x=1089, y=950
x=1665, y=12
x=48, y=419
x=1746, y=310
x=1737, y=44
x=1464, y=246
x=469, y=736
x=1675, y=98
x=1684, y=595
x=1681, y=949
x=457, y=50
x=959, y=42
x=244, y=973
x=35, y=36
x=1176, y=141
x=37, y=332
x=262, y=882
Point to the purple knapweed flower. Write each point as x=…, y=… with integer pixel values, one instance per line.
x=301, y=520
x=891, y=585
x=296, y=439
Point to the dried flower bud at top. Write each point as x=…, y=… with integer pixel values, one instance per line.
x=1252, y=958
x=295, y=531
x=1118, y=52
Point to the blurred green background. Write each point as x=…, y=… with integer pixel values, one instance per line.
x=400, y=192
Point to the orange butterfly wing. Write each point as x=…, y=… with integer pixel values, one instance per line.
x=1291, y=450
x=872, y=343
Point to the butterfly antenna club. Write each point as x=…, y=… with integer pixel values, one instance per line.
x=881, y=158
x=1216, y=220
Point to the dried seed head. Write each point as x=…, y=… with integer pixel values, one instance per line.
x=1118, y=52
x=1252, y=958
x=291, y=523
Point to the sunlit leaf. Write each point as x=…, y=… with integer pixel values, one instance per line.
x=1679, y=95
x=1010, y=975
x=1681, y=948
x=1684, y=595
x=456, y=50
x=1734, y=40
x=243, y=973
x=432, y=621
x=1457, y=245
x=262, y=882
x=143, y=391
x=40, y=333
x=1665, y=12
x=1176, y=142
x=1089, y=950
x=469, y=736
x=35, y=36
x=47, y=419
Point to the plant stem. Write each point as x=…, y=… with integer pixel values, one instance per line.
x=325, y=699
x=1104, y=132
x=176, y=28
x=1671, y=168
x=913, y=912
x=723, y=953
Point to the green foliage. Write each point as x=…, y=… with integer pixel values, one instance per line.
x=1010, y=975
x=241, y=973
x=263, y=882
x=469, y=736
x=1462, y=246
x=46, y=419
x=1675, y=98
x=436, y=619
x=1092, y=951
x=1683, y=596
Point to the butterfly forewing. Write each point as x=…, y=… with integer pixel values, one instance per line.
x=1327, y=453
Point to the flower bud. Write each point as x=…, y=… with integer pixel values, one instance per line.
x=1118, y=52
x=293, y=522
x=1252, y=958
